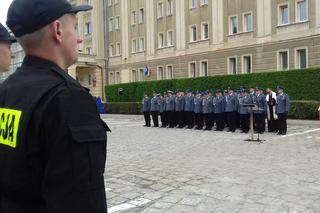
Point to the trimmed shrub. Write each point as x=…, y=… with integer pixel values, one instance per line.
x=299, y=109
x=299, y=84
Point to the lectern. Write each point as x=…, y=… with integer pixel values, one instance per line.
x=252, y=107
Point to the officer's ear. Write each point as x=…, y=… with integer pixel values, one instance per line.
x=57, y=30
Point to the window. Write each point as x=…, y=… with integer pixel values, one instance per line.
x=160, y=40
x=204, y=68
x=88, y=50
x=205, y=31
x=247, y=64
x=111, y=50
x=133, y=75
x=169, y=72
x=160, y=73
x=133, y=17
x=193, y=33
x=118, y=49
x=247, y=26
x=232, y=65
x=87, y=2
x=141, y=44
x=283, y=60
x=170, y=38
x=233, y=25
x=302, y=12
x=117, y=80
x=193, y=4
x=111, y=78
x=141, y=16
x=109, y=2
x=141, y=74
x=301, y=58
x=192, y=69
x=87, y=28
x=110, y=24
x=204, y=2
x=134, y=46
x=283, y=14
x=160, y=9
x=117, y=23
x=170, y=7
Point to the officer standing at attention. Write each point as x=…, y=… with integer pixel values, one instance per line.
x=162, y=109
x=53, y=152
x=5, y=52
x=179, y=108
x=231, y=110
x=170, y=108
x=154, y=109
x=198, y=110
x=146, y=109
x=260, y=114
x=244, y=111
x=188, y=109
x=282, y=109
x=207, y=110
x=219, y=103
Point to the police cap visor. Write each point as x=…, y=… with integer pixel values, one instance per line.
x=27, y=16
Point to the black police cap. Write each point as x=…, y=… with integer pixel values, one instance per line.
x=5, y=35
x=28, y=16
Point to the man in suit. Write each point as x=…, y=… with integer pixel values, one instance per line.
x=282, y=109
x=260, y=114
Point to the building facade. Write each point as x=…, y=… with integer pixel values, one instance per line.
x=192, y=38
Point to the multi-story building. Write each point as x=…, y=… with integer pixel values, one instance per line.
x=90, y=70
x=191, y=38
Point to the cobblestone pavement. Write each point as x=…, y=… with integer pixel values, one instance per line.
x=155, y=170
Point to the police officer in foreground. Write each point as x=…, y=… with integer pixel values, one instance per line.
x=154, y=109
x=282, y=109
x=52, y=155
x=260, y=113
x=146, y=104
x=5, y=52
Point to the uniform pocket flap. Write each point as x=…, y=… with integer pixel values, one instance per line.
x=88, y=133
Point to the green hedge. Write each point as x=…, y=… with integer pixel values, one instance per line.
x=299, y=84
x=299, y=109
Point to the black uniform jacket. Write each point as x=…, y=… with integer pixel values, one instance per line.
x=52, y=143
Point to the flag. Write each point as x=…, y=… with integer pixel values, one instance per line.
x=147, y=72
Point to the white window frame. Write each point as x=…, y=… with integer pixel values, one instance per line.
x=141, y=17
x=191, y=33
x=172, y=39
x=111, y=78
x=189, y=69
x=118, y=50
x=228, y=64
x=201, y=70
x=170, y=6
x=202, y=31
x=297, y=58
x=88, y=50
x=245, y=24
x=230, y=25
x=298, y=12
x=158, y=72
x=134, y=77
x=88, y=31
x=87, y=2
x=109, y=3
x=160, y=12
x=243, y=70
x=202, y=3
x=193, y=6
x=143, y=44
x=117, y=23
x=167, y=71
x=141, y=74
x=280, y=18
x=111, y=50
x=116, y=79
x=160, y=46
x=133, y=17
x=111, y=24
x=279, y=62
x=134, y=48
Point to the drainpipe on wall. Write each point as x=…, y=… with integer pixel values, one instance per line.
x=106, y=40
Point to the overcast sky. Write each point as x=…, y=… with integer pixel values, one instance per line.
x=3, y=12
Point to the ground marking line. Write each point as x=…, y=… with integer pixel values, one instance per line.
x=301, y=133
x=131, y=204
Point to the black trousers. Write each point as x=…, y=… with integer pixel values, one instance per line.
x=273, y=125
x=163, y=119
x=213, y=120
x=155, y=118
x=282, y=118
x=199, y=120
x=208, y=121
x=189, y=119
x=245, y=122
x=260, y=123
x=220, y=121
x=180, y=119
x=175, y=118
x=171, y=118
x=231, y=120
x=147, y=118
x=166, y=118
x=237, y=120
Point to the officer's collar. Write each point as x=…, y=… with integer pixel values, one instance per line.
x=30, y=60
